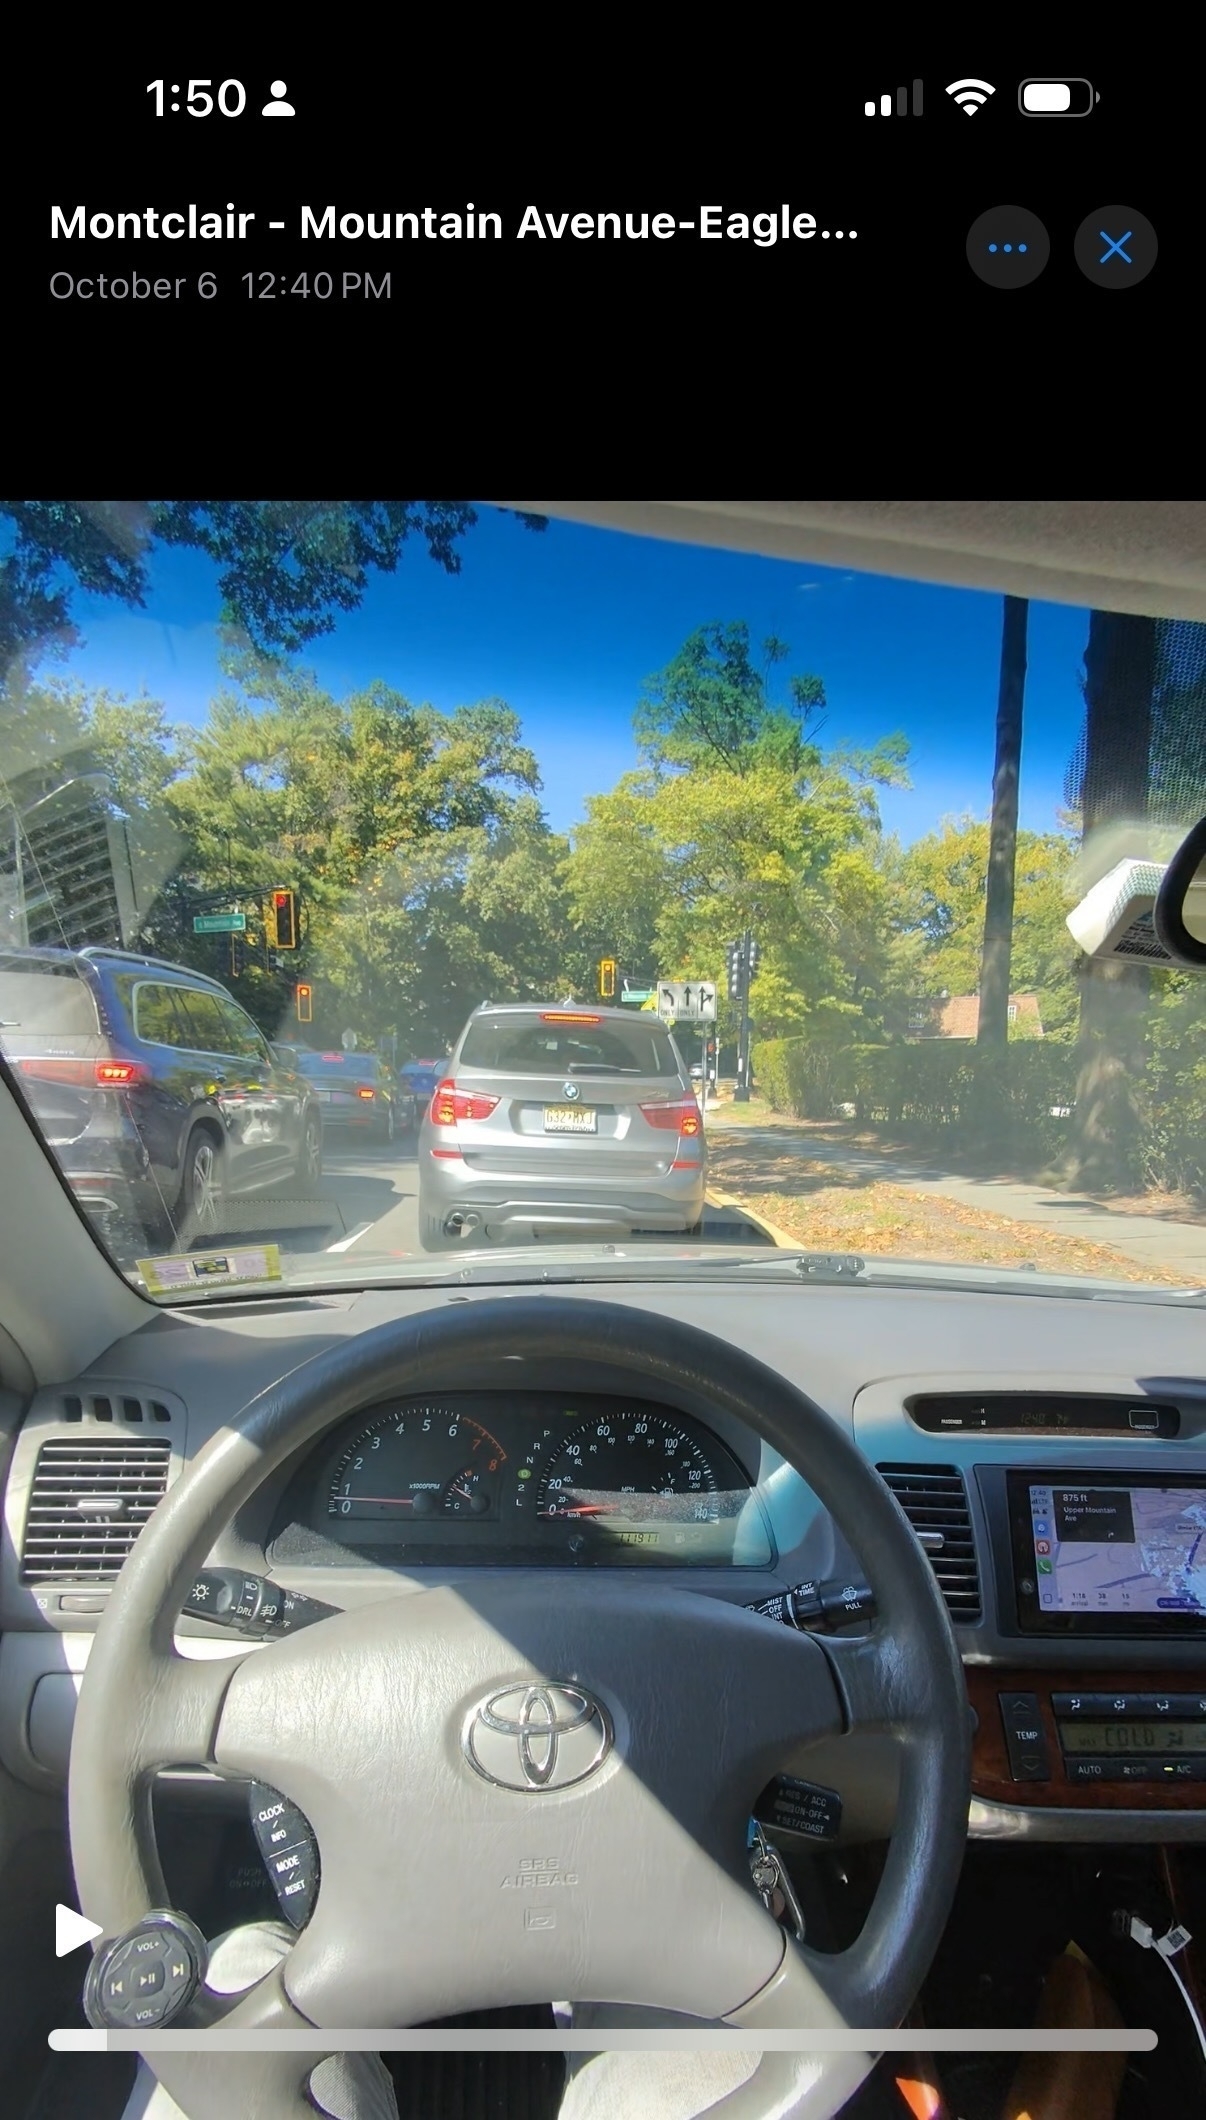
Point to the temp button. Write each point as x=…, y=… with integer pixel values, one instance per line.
x=1025, y=1739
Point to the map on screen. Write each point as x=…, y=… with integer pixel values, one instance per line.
x=1120, y=1549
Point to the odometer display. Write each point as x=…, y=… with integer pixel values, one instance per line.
x=418, y=1460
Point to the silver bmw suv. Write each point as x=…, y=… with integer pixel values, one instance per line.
x=560, y=1123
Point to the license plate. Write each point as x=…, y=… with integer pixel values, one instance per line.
x=569, y=1119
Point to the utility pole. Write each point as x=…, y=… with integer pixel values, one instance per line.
x=742, y=964
x=993, y=1017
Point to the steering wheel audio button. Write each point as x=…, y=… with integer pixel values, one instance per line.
x=147, y=1976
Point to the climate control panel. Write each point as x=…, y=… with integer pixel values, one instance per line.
x=1134, y=1744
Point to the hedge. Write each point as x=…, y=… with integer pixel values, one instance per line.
x=1015, y=1101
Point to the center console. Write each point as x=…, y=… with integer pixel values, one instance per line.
x=1086, y=1563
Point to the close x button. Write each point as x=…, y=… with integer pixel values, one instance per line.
x=1024, y=1738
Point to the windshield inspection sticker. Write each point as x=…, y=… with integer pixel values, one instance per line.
x=197, y=1269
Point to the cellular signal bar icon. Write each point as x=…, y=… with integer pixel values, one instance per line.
x=883, y=106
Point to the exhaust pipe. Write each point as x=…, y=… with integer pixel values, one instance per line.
x=461, y=1223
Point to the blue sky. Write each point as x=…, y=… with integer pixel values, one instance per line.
x=565, y=625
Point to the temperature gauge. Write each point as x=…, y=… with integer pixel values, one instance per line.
x=467, y=1495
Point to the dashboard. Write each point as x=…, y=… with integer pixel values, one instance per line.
x=1049, y=1452
x=529, y=1478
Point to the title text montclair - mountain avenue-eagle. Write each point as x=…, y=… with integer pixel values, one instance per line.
x=428, y=223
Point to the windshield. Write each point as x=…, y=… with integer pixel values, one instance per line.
x=654, y=903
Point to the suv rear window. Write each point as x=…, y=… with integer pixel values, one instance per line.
x=49, y=998
x=534, y=1045
x=358, y=1067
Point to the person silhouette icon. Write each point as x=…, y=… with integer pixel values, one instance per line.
x=277, y=108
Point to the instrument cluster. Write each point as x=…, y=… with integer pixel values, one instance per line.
x=586, y=1478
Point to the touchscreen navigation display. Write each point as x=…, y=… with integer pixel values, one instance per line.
x=1119, y=1550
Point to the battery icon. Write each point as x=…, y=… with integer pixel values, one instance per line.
x=1057, y=99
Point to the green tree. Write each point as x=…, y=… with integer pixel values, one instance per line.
x=737, y=819
x=939, y=892
x=713, y=701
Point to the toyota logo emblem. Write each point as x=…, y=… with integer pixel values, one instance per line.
x=537, y=1736
x=571, y=1090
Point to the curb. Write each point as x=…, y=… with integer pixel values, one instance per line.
x=777, y=1236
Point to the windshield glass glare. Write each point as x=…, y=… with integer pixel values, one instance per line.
x=392, y=884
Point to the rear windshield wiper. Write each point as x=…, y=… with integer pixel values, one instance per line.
x=599, y=1067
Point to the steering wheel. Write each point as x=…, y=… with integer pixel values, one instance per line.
x=367, y=1722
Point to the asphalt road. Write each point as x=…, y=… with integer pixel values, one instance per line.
x=369, y=1196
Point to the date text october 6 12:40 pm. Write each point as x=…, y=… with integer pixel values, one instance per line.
x=207, y=287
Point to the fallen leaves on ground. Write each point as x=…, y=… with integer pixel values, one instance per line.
x=822, y=1210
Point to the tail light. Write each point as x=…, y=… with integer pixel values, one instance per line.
x=368, y=1093
x=562, y=1015
x=450, y=1105
x=88, y=1074
x=681, y=1118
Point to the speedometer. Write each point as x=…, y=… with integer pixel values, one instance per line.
x=419, y=1459
x=626, y=1468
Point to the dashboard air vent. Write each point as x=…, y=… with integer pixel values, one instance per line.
x=935, y=1501
x=88, y=1503
x=104, y=1406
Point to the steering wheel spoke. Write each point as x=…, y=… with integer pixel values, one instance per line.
x=874, y=1684
x=175, y=1720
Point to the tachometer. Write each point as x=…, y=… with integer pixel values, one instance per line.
x=624, y=1468
x=418, y=1460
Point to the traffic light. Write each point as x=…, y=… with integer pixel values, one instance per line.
x=734, y=958
x=607, y=979
x=753, y=955
x=305, y=1004
x=284, y=920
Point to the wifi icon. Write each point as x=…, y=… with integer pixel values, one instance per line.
x=969, y=95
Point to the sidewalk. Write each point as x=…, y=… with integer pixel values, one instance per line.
x=1149, y=1240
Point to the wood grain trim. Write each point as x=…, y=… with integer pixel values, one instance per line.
x=991, y=1778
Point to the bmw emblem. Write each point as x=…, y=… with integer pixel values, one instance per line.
x=571, y=1090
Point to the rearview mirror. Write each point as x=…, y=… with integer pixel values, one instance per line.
x=1177, y=916
x=1148, y=912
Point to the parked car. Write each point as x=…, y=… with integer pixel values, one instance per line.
x=560, y=1123
x=356, y=1091
x=158, y=1094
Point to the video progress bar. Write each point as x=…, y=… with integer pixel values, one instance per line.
x=595, y=2041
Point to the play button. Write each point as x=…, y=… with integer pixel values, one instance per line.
x=72, y=1929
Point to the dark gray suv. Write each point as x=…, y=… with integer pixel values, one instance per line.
x=157, y=1093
